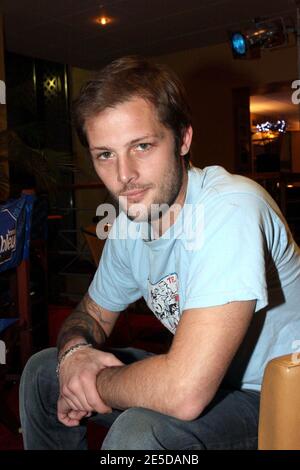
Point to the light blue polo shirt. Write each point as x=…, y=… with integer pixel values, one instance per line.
x=230, y=242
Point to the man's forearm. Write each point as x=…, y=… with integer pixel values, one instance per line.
x=81, y=325
x=149, y=383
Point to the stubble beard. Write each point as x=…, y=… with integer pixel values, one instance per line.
x=167, y=194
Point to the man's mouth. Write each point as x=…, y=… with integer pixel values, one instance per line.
x=134, y=194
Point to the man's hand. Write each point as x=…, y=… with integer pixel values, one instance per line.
x=78, y=392
x=67, y=416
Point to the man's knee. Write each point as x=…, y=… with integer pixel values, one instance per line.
x=130, y=431
x=143, y=429
x=38, y=376
x=41, y=362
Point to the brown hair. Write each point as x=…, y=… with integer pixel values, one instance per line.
x=135, y=76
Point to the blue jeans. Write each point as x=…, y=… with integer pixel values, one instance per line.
x=229, y=422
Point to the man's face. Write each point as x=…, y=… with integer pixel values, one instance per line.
x=134, y=156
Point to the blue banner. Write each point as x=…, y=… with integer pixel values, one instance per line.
x=6, y=322
x=15, y=223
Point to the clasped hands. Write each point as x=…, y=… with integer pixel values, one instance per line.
x=79, y=396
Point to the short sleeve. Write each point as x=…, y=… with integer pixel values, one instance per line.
x=114, y=286
x=230, y=265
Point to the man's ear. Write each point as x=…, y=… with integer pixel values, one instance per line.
x=186, y=140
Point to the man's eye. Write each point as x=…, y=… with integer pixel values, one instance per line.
x=143, y=147
x=104, y=155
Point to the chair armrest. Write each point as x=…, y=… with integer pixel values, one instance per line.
x=279, y=417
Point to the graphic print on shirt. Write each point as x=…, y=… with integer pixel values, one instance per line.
x=163, y=300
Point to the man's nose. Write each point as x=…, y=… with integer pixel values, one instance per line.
x=126, y=169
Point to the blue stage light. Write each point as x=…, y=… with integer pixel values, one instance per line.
x=261, y=34
x=238, y=44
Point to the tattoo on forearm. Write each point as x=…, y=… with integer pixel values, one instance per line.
x=81, y=323
x=92, y=307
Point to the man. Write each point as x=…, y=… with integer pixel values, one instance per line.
x=213, y=257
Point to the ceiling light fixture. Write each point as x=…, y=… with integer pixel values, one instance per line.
x=103, y=20
x=263, y=34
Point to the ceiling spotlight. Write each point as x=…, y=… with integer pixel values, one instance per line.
x=103, y=20
x=262, y=35
x=239, y=44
